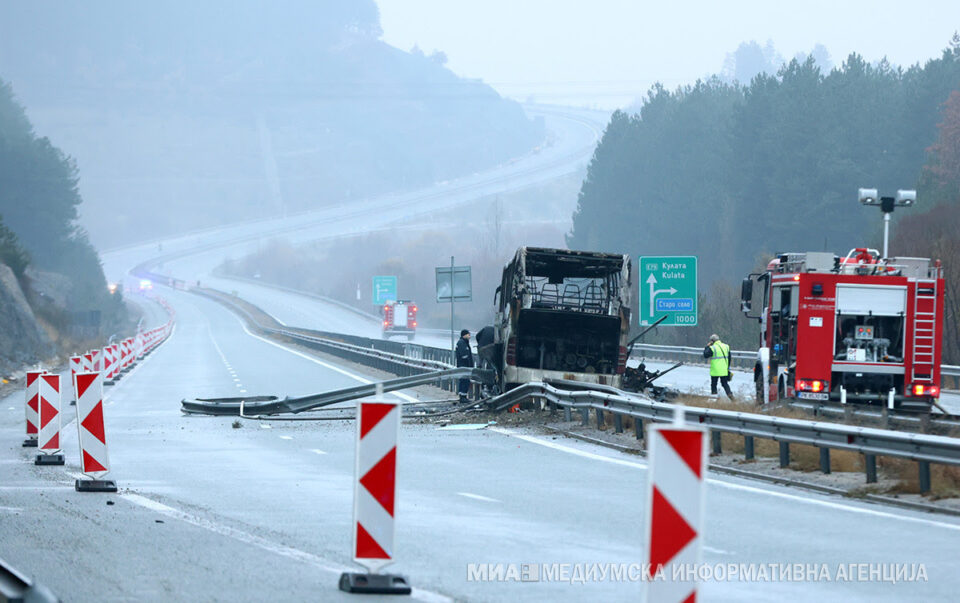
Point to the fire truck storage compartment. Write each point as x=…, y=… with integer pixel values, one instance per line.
x=564, y=341
x=870, y=323
x=400, y=315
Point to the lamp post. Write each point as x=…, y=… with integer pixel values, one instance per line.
x=904, y=198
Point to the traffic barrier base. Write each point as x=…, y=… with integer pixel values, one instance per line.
x=95, y=485
x=374, y=584
x=29, y=443
x=49, y=459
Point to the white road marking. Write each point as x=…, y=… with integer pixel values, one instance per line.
x=265, y=426
x=243, y=391
x=732, y=485
x=317, y=451
x=325, y=565
x=286, y=438
x=478, y=497
x=10, y=509
x=715, y=551
x=327, y=365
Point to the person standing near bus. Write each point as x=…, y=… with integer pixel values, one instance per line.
x=464, y=358
x=719, y=355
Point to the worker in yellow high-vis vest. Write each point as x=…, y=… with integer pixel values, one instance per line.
x=719, y=355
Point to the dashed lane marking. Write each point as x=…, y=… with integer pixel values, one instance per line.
x=276, y=548
x=317, y=451
x=286, y=438
x=478, y=497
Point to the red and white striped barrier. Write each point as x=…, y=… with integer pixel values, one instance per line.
x=674, y=513
x=32, y=407
x=76, y=366
x=374, y=497
x=116, y=363
x=49, y=421
x=87, y=362
x=107, y=370
x=94, y=460
x=96, y=358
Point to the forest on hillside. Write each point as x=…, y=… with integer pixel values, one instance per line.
x=39, y=233
x=734, y=172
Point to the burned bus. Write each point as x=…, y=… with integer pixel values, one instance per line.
x=560, y=315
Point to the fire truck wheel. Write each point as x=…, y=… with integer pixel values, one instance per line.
x=758, y=383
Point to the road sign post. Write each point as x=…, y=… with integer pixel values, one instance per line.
x=454, y=284
x=384, y=290
x=668, y=287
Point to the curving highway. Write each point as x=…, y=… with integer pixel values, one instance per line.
x=261, y=510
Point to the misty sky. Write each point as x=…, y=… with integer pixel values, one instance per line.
x=611, y=51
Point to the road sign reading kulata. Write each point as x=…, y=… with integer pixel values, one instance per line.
x=668, y=287
x=384, y=289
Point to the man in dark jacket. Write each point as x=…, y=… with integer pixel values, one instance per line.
x=464, y=358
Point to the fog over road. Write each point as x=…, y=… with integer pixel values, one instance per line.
x=263, y=511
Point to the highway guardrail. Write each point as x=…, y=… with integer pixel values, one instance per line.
x=871, y=442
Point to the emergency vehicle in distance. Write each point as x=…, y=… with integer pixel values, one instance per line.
x=399, y=318
x=859, y=328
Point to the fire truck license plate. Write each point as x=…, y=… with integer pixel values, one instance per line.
x=813, y=396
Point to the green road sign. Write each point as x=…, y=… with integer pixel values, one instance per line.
x=384, y=289
x=668, y=287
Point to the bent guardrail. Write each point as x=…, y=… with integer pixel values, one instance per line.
x=271, y=405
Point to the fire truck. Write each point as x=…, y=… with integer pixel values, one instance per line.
x=399, y=318
x=859, y=328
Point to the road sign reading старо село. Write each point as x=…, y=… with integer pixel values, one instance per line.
x=668, y=287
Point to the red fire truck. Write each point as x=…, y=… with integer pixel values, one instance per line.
x=855, y=329
x=399, y=318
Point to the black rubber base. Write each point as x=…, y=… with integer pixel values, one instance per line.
x=96, y=485
x=29, y=443
x=48, y=459
x=109, y=382
x=374, y=584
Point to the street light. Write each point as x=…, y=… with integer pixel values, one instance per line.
x=904, y=198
